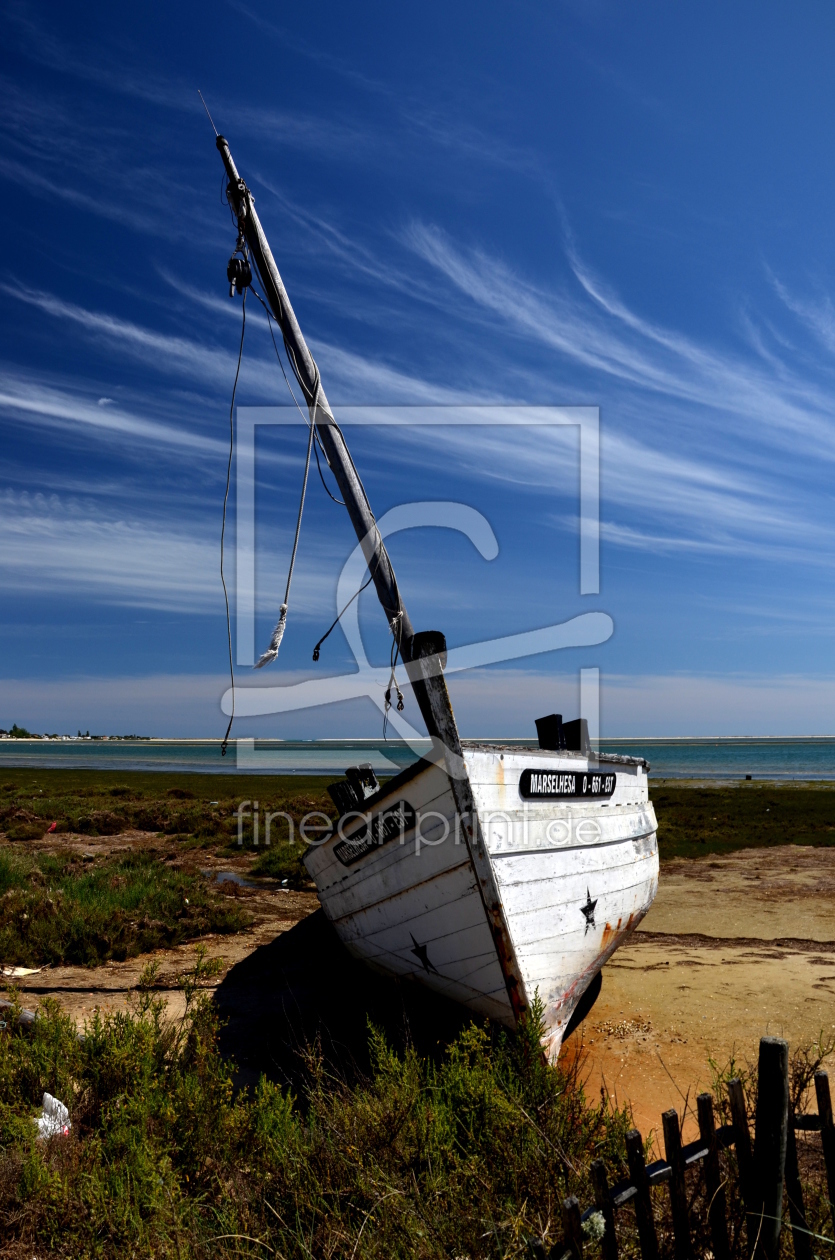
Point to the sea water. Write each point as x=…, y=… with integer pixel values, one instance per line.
x=811, y=758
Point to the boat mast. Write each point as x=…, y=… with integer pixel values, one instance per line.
x=427, y=680
x=424, y=654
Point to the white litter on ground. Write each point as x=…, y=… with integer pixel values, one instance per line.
x=54, y=1120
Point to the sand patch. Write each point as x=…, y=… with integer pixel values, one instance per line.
x=733, y=948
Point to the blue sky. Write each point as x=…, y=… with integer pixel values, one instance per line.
x=578, y=204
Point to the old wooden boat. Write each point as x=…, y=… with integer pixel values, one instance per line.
x=528, y=893
x=490, y=874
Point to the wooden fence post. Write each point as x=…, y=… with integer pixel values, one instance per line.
x=678, y=1193
x=643, y=1200
x=603, y=1203
x=770, y=1135
x=801, y=1238
x=744, y=1158
x=572, y=1228
x=713, y=1178
x=827, y=1135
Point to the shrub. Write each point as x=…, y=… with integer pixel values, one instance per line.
x=60, y=909
x=467, y=1156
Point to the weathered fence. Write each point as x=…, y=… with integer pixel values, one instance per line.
x=765, y=1168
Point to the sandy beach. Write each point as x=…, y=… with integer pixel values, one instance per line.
x=733, y=948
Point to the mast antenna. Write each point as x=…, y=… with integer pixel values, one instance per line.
x=208, y=115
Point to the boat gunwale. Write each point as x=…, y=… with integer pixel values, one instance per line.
x=392, y=786
x=617, y=759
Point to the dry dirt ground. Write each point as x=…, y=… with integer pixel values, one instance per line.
x=733, y=948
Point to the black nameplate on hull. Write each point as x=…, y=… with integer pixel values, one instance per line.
x=565, y=785
x=392, y=824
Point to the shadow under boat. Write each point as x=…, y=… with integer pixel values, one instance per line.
x=304, y=989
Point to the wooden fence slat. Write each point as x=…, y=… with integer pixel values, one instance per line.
x=658, y=1172
x=770, y=1136
x=713, y=1178
x=622, y=1193
x=643, y=1199
x=827, y=1135
x=694, y=1152
x=603, y=1203
x=801, y=1238
x=678, y=1192
x=572, y=1228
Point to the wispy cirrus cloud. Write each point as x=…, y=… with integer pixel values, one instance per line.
x=816, y=314
x=672, y=500
x=116, y=72
x=50, y=543
x=443, y=128
x=596, y=329
x=76, y=546
x=70, y=409
x=720, y=506
x=206, y=363
x=697, y=703
x=353, y=375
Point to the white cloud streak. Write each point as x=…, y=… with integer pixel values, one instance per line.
x=651, y=705
x=355, y=376
x=37, y=403
x=603, y=334
x=50, y=544
x=54, y=544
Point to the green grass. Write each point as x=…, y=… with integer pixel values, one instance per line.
x=195, y=810
x=59, y=908
x=470, y=1155
x=696, y=821
x=198, y=811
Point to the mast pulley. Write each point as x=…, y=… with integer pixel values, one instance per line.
x=239, y=274
x=238, y=269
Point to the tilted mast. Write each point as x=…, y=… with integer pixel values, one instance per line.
x=427, y=681
x=424, y=654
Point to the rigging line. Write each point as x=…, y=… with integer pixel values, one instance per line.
x=341, y=502
x=291, y=358
x=278, y=633
x=306, y=419
x=301, y=505
x=333, y=625
x=396, y=627
x=208, y=115
x=225, y=743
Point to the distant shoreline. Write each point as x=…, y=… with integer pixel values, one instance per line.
x=718, y=758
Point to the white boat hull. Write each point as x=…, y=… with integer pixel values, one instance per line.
x=566, y=880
